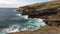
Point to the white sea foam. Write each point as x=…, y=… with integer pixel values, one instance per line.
x=11, y=29
x=36, y=22
x=24, y=16
x=31, y=25
x=18, y=14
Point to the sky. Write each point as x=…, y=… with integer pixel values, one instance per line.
x=18, y=3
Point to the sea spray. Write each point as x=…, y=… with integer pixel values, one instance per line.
x=35, y=24
x=30, y=24
x=23, y=16
x=11, y=29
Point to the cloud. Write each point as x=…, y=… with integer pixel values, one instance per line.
x=8, y=1
x=17, y=3
x=51, y=0
x=13, y=3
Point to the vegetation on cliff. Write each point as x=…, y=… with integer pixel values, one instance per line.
x=39, y=8
x=43, y=5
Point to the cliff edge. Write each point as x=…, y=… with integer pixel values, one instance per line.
x=50, y=11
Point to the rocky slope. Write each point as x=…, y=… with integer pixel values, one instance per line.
x=50, y=11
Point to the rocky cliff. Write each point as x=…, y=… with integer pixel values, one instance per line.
x=50, y=11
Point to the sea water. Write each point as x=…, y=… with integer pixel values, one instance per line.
x=13, y=21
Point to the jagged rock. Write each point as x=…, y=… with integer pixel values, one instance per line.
x=50, y=11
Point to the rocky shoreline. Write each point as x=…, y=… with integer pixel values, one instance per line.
x=50, y=11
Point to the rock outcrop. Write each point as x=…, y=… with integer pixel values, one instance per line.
x=50, y=11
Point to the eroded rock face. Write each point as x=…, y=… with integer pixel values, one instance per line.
x=51, y=14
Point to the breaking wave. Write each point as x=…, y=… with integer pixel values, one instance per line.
x=23, y=16
x=11, y=21
x=31, y=25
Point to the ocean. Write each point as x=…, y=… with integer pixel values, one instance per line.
x=13, y=21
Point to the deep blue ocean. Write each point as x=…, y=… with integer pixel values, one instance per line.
x=13, y=21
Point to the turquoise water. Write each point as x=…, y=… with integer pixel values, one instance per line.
x=13, y=21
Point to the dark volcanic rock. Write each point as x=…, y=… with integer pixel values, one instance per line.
x=50, y=11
